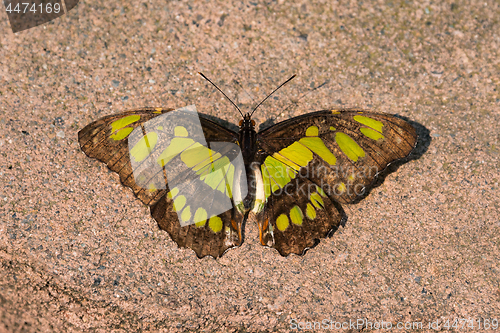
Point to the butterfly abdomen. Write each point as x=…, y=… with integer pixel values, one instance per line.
x=247, y=138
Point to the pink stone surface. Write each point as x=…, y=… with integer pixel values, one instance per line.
x=78, y=252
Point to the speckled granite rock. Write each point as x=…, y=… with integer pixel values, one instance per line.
x=78, y=252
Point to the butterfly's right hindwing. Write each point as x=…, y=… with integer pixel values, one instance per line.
x=295, y=218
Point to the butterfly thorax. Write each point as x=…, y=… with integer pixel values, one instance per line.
x=247, y=137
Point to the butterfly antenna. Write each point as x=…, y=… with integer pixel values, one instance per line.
x=281, y=85
x=236, y=106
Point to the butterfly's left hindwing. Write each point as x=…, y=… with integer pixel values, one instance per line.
x=174, y=169
x=212, y=236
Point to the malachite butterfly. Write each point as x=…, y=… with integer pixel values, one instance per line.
x=202, y=180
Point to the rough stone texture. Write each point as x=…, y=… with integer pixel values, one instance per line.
x=79, y=253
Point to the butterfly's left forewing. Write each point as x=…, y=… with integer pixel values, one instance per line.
x=174, y=163
x=107, y=141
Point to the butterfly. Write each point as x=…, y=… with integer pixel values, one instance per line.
x=201, y=180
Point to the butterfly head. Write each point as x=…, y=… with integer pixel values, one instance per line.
x=247, y=123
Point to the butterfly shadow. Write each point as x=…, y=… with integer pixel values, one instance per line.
x=421, y=147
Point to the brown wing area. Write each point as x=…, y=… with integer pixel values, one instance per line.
x=107, y=140
x=96, y=143
x=297, y=217
x=213, y=238
x=358, y=159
